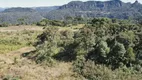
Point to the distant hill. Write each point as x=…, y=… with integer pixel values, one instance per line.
x=88, y=9
x=19, y=15
x=44, y=10
x=19, y=9
x=111, y=9
x=2, y=9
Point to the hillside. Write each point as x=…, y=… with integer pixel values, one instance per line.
x=111, y=9
x=89, y=9
x=44, y=10
x=92, y=40
x=2, y=9
x=93, y=51
x=19, y=16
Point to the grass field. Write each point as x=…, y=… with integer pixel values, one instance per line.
x=16, y=40
x=16, y=37
x=13, y=38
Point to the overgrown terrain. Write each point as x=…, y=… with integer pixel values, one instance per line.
x=96, y=49
x=92, y=40
x=17, y=40
x=101, y=48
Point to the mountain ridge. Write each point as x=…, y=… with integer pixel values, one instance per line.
x=19, y=16
x=87, y=9
x=97, y=9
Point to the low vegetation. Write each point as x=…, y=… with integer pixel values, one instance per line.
x=14, y=40
x=102, y=48
x=72, y=42
x=99, y=49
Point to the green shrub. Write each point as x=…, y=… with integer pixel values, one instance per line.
x=8, y=77
x=113, y=43
x=46, y=22
x=92, y=71
x=4, y=25
x=43, y=22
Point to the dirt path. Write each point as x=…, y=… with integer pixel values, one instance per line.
x=14, y=66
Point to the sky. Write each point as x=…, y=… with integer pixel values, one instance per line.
x=40, y=3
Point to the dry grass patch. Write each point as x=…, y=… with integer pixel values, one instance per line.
x=25, y=69
x=13, y=38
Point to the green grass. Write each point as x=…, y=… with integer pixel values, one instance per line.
x=10, y=41
x=8, y=48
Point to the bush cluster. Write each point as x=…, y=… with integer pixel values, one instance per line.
x=109, y=42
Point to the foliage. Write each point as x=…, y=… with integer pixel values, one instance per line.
x=4, y=24
x=85, y=40
x=103, y=49
x=46, y=22
x=93, y=71
x=98, y=49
